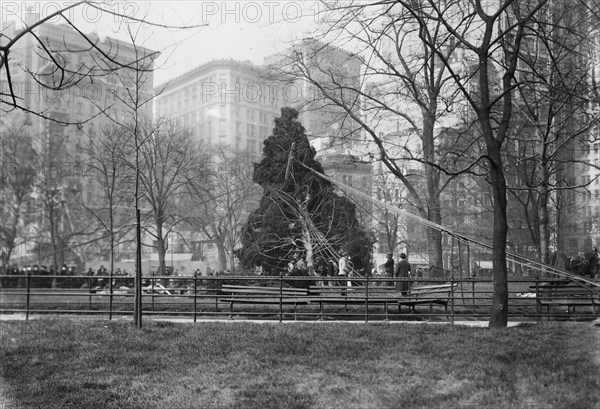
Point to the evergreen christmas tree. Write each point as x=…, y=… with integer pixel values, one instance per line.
x=299, y=216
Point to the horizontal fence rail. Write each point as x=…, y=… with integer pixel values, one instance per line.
x=296, y=298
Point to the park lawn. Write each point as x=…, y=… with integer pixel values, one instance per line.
x=111, y=364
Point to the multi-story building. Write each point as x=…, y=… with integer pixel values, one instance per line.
x=337, y=71
x=223, y=102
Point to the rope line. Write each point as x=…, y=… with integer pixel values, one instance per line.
x=514, y=257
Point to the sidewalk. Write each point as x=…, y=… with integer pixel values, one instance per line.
x=199, y=320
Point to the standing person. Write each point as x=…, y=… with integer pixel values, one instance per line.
x=344, y=269
x=594, y=263
x=300, y=266
x=331, y=272
x=403, y=271
x=389, y=268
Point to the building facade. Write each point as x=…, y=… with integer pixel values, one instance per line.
x=223, y=102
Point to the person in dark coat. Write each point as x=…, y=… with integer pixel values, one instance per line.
x=403, y=271
x=594, y=263
x=331, y=272
x=389, y=268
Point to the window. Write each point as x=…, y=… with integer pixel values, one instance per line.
x=264, y=132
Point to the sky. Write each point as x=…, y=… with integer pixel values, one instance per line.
x=242, y=30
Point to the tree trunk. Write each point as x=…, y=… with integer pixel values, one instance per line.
x=222, y=256
x=7, y=254
x=499, y=313
x=543, y=217
x=112, y=237
x=434, y=214
x=162, y=250
x=310, y=259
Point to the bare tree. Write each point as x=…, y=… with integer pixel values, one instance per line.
x=475, y=50
x=389, y=226
x=17, y=178
x=225, y=195
x=62, y=221
x=494, y=40
x=167, y=159
x=553, y=119
x=109, y=181
x=401, y=93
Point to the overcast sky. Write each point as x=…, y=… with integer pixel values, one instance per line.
x=242, y=30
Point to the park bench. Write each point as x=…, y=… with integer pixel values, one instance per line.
x=439, y=294
x=353, y=295
x=240, y=294
x=566, y=294
x=427, y=294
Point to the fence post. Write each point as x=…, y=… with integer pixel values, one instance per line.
x=28, y=289
x=90, y=294
x=280, y=296
x=473, y=293
x=153, y=284
x=110, y=291
x=452, y=298
x=195, y=296
x=366, y=297
x=537, y=293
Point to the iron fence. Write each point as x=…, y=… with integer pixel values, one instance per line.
x=266, y=298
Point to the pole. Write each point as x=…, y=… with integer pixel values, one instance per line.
x=289, y=163
x=195, y=296
x=137, y=308
x=28, y=290
x=280, y=296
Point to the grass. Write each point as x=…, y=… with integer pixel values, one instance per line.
x=107, y=364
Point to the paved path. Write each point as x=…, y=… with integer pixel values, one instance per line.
x=199, y=320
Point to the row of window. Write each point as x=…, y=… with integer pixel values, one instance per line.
x=588, y=148
x=254, y=91
x=200, y=115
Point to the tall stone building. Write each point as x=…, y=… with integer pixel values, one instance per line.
x=223, y=102
x=334, y=69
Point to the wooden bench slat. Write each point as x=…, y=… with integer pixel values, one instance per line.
x=568, y=295
x=347, y=295
x=267, y=300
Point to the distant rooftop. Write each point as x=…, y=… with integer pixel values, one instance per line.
x=221, y=62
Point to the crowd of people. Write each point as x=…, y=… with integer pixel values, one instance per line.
x=41, y=276
x=331, y=272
